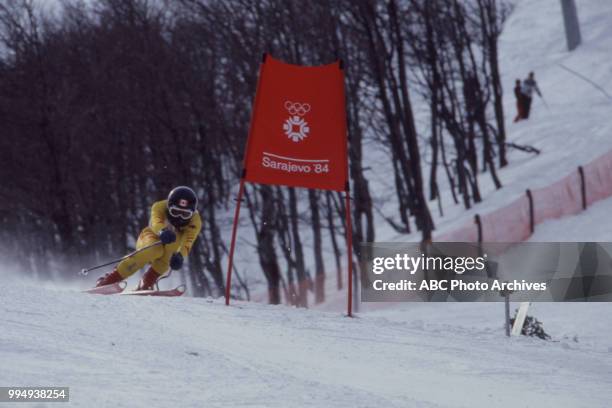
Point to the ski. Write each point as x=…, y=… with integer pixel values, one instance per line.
x=178, y=291
x=519, y=320
x=111, y=289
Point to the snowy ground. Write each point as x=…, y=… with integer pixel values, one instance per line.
x=117, y=351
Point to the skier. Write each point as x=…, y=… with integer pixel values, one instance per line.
x=175, y=223
x=520, y=103
x=529, y=85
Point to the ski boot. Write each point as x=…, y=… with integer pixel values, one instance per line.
x=109, y=278
x=148, y=280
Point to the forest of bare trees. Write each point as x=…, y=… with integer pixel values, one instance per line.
x=105, y=105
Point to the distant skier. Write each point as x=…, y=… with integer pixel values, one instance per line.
x=520, y=101
x=175, y=223
x=529, y=85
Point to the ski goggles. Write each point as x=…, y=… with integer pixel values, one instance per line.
x=182, y=213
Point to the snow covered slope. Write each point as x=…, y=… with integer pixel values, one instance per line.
x=575, y=127
x=117, y=351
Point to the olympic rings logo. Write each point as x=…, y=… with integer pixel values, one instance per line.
x=296, y=108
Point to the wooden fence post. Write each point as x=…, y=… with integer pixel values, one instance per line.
x=582, y=187
x=478, y=226
x=531, y=211
x=506, y=295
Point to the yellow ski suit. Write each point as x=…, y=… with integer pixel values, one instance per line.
x=159, y=255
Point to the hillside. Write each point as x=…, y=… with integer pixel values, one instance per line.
x=571, y=126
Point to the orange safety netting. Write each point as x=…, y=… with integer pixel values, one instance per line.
x=466, y=233
x=598, y=178
x=507, y=224
x=560, y=199
x=511, y=223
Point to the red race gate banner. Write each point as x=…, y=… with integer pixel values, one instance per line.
x=298, y=127
x=298, y=138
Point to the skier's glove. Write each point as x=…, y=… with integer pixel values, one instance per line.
x=176, y=261
x=167, y=236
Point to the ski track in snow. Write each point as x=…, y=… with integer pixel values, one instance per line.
x=142, y=352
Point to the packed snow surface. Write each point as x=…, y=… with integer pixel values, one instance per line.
x=121, y=351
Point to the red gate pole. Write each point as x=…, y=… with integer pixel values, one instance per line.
x=349, y=243
x=228, y=284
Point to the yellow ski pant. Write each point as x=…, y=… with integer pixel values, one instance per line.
x=158, y=256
